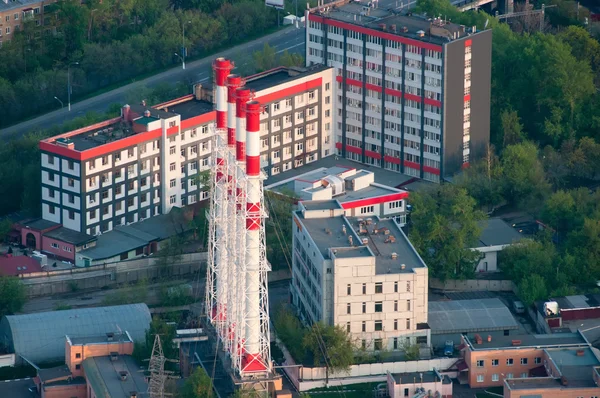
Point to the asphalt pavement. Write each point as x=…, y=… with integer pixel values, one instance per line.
x=291, y=39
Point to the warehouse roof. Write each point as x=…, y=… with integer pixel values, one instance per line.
x=462, y=316
x=496, y=232
x=40, y=337
x=105, y=376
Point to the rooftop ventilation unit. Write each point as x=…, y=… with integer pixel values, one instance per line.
x=110, y=336
x=395, y=256
x=114, y=356
x=420, y=33
x=123, y=375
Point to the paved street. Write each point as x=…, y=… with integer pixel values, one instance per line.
x=290, y=39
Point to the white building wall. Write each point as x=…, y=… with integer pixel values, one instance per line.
x=75, y=223
x=46, y=215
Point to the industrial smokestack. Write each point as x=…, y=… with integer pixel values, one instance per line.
x=221, y=68
x=242, y=95
x=252, y=360
x=233, y=83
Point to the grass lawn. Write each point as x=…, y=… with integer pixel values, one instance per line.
x=362, y=390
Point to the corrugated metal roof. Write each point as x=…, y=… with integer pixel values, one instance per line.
x=462, y=316
x=40, y=337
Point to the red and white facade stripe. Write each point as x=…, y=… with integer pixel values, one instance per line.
x=222, y=68
x=233, y=83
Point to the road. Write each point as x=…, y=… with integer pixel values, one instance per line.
x=290, y=39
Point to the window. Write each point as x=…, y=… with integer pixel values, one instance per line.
x=71, y=215
x=311, y=95
x=70, y=165
x=379, y=287
x=130, y=185
x=118, y=206
x=480, y=363
x=378, y=326
x=71, y=182
x=395, y=287
x=378, y=306
x=509, y=362
x=51, y=192
x=524, y=375
x=348, y=327
x=364, y=308
x=77, y=366
x=509, y=375
x=78, y=355
x=494, y=362
x=349, y=289
x=8, y=30
x=124, y=256
x=172, y=199
x=348, y=308
x=407, y=324
x=364, y=288
x=378, y=343
x=54, y=245
x=327, y=86
x=172, y=167
x=395, y=324
x=129, y=202
x=406, y=392
x=395, y=305
x=105, y=210
x=537, y=360
x=51, y=209
x=395, y=343
x=523, y=361
x=364, y=326
x=276, y=106
x=173, y=183
x=105, y=194
x=93, y=213
x=495, y=377
x=172, y=150
x=363, y=344
x=479, y=378
x=367, y=209
x=407, y=305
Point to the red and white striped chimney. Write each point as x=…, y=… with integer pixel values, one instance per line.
x=233, y=83
x=242, y=95
x=252, y=361
x=221, y=68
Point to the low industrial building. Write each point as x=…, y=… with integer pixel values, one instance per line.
x=40, y=337
x=355, y=189
x=563, y=365
x=419, y=385
x=449, y=320
x=360, y=273
x=495, y=235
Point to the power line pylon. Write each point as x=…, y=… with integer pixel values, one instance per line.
x=158, y=374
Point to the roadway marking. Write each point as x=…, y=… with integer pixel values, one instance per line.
x=289, y=48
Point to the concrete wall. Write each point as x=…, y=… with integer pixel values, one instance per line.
x=471, y=285
x=91, y=278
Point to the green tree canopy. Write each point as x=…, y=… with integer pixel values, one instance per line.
x=198, y=385
x=445, y=225
x=12, y=295
x=330, y=346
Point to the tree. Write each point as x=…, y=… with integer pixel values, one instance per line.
x=291, y=59
x=483, y=181
x=198, y=385
x=532, y=288
x=12, y=295
x=525, y=183
x=411, y=352
x=560, y=212
x=143, y=350
x=511, y=127
x=330, y=346
x=278, y=227
x=290, y=331
x=265, y=59
x=5, y=228
x=445, y=225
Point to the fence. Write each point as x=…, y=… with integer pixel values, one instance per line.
x=471, y=285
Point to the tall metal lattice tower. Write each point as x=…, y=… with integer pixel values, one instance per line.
x=156, y=367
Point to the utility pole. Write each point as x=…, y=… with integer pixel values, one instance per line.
x=69, y=89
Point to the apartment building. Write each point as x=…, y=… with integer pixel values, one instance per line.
x=361, y=274
x=562, y=364
x=14, y=14
x=146, y=162
x=412, y=93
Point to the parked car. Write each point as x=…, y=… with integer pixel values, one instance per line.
x=449, y=348
x=518, y=307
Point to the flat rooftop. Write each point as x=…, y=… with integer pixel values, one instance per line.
x=104, y=375
x=419, y=377
x=17, y=388
x=190, y=108
x=496, y=232
x=359, y=13
x=530, y=340
x=321, y=205
x=464, y=316
x=101, y=339
x=328, y=233
x=70, y=236
x=320, y=167
x=281, y=75
x=385, y=264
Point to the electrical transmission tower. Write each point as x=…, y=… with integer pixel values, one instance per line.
x=158, y=374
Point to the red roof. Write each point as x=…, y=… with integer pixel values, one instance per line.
x=18, y=265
